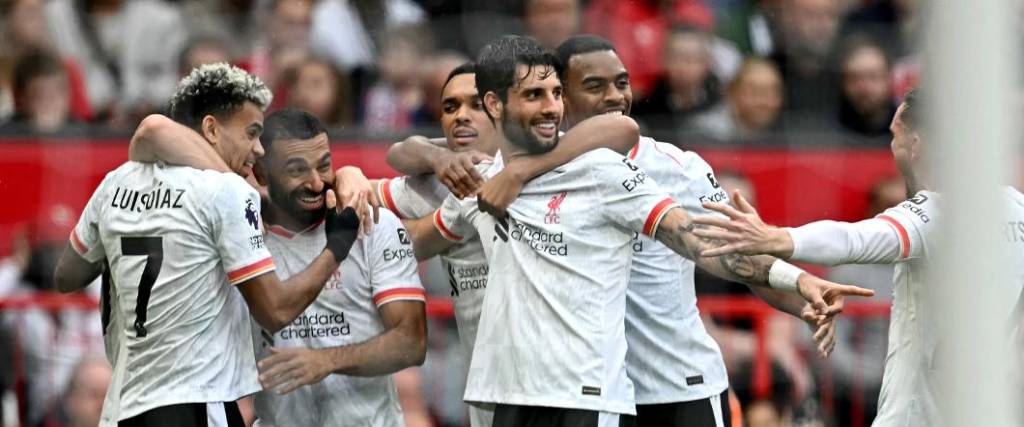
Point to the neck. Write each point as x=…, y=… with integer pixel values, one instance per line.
x=509, y=150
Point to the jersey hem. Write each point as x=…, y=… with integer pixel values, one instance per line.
x=617, y=407
x=212, y=398
x=904, y=236
x=445, y=232
x=660, y=399
x=399, y=294
x=657, y=214
x=257, y=268
x=77, y=244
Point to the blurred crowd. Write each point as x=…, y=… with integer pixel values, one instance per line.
x=706, y=70
x=818, y=73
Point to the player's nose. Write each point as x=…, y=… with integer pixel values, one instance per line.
x=257, y=149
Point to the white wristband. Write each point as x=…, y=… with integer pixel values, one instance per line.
x=783, y=275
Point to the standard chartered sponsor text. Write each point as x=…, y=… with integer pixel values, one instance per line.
x=317, y=325
x=540, y=240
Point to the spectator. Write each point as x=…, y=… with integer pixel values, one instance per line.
x=24, y=30
x=552, y=21
x=234, y=22
x=688, y=87
x=285, y=44
x=752, y=104
x=201, y=50
x=858, y=359
x=318, y=87
x=128, y=51
x=436, y=75
x=806, y=30
x=867, y=104
x=83, y=402
x=638, y=30
x=396, y=101
x=41, y=97
x=52, y=342
x=347, y=31
x=890, y=23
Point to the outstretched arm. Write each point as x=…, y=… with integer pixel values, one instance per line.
x=160, y=138
x=821, y=242
x=619, y=133
x=403, y=344
x=677, y=232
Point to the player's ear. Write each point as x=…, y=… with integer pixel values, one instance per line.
x=915, y=145
x=209, y=128
x=493, y=105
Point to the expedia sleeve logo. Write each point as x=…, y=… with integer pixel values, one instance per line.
x=919, y=199
x=251, y=215
x=403, y=237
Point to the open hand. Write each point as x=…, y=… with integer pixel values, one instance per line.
x=743, y=229
x=287, y=369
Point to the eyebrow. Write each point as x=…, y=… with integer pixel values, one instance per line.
x=296, y=161
x=326, y=157
x=258, y=127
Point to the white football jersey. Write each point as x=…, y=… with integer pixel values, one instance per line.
x=908, y=388
x=175, y=239
x=465, y=263
x=380, y=269
x=552, y=328
x=671, y=357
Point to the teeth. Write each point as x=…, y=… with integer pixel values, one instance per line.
x=546, y=125
x=615, y=112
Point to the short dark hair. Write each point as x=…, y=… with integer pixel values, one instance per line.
x=464, y=68
x=581, y=45
x=289, y=124
x=912, y=111
x=34, y=64
x=496, y=64
x=217, y=90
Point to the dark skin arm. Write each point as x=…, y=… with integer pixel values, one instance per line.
x=427, y=242
x=74, y=272
x=403, y=344
x=274, y=304
x=456, y=170
x=619, y=133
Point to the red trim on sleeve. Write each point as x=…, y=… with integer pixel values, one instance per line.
x=399, y=294
x=252, y=270
x=77, y=243
x=634, y=151
x=389, y=200
x=904, y=236
x=445, y=232
x=654, y=218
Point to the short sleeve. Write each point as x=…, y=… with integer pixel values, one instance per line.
x=393, y=275
x=85, y=237
x=411, y=197
x=699, y=184
x=239, y=231
x=913, y=221
x=628, y=196
x=452, y=219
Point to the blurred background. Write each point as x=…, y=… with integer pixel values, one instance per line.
x=789, y=100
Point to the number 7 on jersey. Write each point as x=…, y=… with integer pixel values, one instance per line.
x=153, y=249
